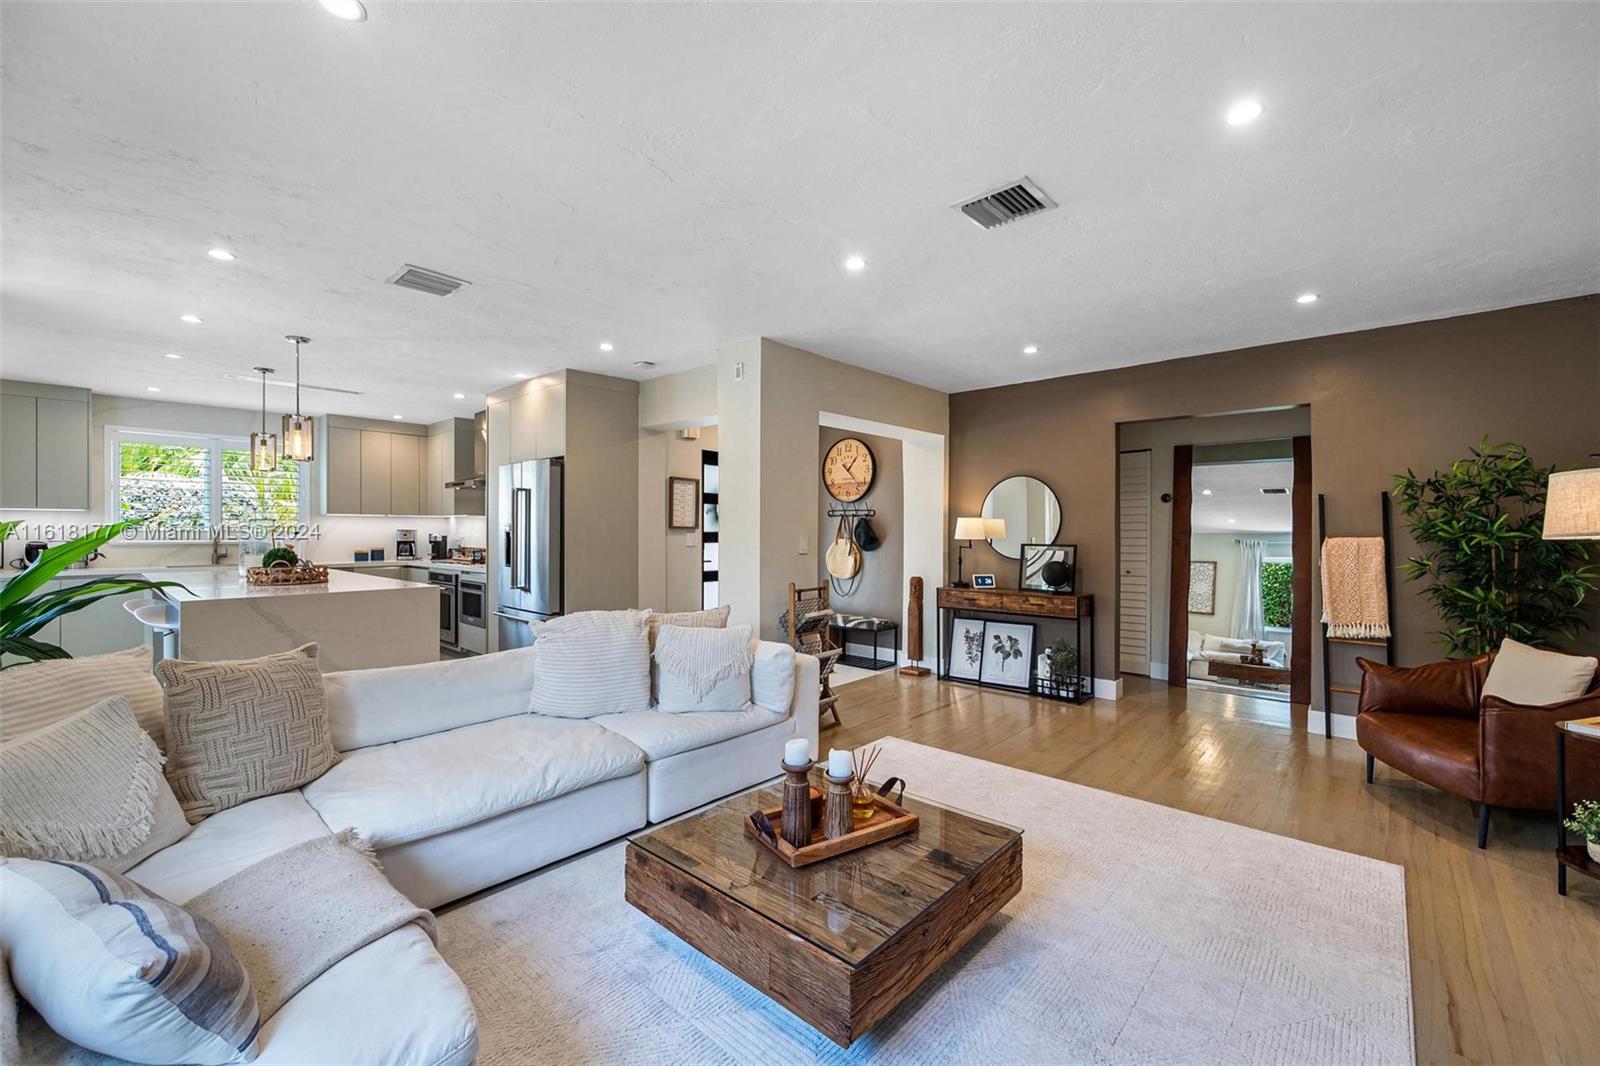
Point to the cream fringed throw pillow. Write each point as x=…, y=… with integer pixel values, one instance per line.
x=241, y=729
x=88, y=789
x=703, y=669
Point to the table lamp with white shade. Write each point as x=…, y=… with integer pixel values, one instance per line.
x=971, y=529
x=1572, y=505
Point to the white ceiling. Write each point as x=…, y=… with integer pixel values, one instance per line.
x=672, y=177
x=1228, y=497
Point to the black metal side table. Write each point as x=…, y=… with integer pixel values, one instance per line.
x=844, y=625
x=1569, y=856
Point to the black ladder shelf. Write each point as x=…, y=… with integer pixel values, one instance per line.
x=1386, y=643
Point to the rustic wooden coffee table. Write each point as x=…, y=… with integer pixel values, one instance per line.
x=839, y=943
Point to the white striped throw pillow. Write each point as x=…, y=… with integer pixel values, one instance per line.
x=43, y=693
x=121, y=971
x=591, y=663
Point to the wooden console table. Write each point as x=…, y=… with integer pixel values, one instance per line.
x=955, y=602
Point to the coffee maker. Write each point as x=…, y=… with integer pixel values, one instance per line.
x=438, y=546
x=405, y=545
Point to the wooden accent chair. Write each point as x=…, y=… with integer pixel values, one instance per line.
x=809, y=632
x=1433, y=723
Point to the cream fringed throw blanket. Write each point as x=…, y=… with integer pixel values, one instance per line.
x=1355, y=594
x=292, y=915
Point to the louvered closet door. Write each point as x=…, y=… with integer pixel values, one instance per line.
x=1133, y=596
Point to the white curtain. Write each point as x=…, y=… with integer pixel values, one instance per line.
x=1247, y=620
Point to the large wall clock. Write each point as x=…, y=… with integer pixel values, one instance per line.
x=848, y=470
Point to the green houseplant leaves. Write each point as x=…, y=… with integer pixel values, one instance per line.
x=1488, y=571
x=23, y=614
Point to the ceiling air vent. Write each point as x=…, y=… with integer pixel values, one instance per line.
x=424, y=280
x=1274, y=492
x=1006, y=204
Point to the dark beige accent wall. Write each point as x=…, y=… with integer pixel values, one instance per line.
x=1381, y=400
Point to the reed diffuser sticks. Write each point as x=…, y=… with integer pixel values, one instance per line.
x=861, y=806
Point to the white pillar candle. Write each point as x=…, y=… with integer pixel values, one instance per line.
x=839, y=763
x=797, y=752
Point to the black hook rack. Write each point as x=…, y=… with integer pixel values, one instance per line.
x=852, y=512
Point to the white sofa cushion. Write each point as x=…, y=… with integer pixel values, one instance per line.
x=772, y=676
x=412, y=789
x=703, y=669
x=367, y=707
x=1535, y=677
x=226, y=843
x=660, y=735
x=117, y=969
x=593, y=662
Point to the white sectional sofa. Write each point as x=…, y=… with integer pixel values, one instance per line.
x=1206, y=648
x=459, y=787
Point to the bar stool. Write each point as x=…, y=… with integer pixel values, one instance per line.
x=160, y=617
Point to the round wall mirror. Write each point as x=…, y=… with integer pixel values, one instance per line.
x=1031, y=512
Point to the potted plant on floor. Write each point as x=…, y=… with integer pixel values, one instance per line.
x=1062, y=674
x=23, y=614
x=1585, y=821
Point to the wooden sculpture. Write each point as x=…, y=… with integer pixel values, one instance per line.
x=914, y=631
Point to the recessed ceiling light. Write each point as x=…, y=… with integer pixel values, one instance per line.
x=643, y=364
x=1231, y=521
x=193, y=320
x=460, y=395
x=1205, y=492
x=151, y=388
x=1243, y=112
x=174, y=355
x=221, y=255
x=855, y=262
x=349, y=10
x=607, y=346
x=1306, y=298
x=519, y=374
x=1032, y=349
x=397, y=417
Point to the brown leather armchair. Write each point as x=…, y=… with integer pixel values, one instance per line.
x=1433, y=723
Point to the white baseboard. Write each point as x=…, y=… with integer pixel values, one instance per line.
x=1106, y=688
x=1344, y=725
x=1158, y=671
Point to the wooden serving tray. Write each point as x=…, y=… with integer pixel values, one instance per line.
x=890, y=820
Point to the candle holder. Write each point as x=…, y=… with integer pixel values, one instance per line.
x=796, y=827
x=836, y=817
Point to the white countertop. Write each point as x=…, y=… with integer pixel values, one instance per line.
x=421, y=564
x=226, y=583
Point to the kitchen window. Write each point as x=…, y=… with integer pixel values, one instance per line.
x=182, y=485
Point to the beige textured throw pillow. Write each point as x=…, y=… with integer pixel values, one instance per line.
x=715, y=618
x=87, y=789
x=238, y=730
x=34, y=696
x=1533, y=677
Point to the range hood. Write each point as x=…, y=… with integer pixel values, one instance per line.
x=476, y=481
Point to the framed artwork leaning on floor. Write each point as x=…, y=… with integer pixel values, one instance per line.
x=966, y=649
x=1007, y=654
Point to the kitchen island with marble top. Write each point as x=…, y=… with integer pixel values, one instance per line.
x=358, y=621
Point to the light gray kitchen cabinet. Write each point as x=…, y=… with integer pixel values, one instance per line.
x=437, y=475
x=19, y=451
x=63, y=454
x=104, y=627
x=44, y=446
x=406, y=462
x=377, y=476
x=340, y=451
x=384, y=571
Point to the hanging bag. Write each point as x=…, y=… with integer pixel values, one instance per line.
x=843, y=558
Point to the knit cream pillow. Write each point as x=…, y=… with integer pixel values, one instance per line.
x=87, y=789
x=238, y=730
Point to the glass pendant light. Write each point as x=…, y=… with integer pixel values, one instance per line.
x=263, y=445
x=299, y=439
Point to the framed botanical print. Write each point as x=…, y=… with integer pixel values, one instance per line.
x=683, y=503
x=1036, y=557
x=1007, y=654
x=1202, y=588
x=966, y=649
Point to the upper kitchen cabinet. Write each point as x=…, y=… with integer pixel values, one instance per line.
x=367, y=467
x=538, y=417
x=454, y=468
x=44, y=446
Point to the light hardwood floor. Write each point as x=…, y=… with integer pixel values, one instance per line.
x=1503, y=969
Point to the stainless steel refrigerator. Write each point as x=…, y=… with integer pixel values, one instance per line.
x=531, y=570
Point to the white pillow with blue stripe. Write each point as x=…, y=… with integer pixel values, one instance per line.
x=121, y=971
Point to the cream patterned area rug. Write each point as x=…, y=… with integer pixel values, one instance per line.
x=1142, y=934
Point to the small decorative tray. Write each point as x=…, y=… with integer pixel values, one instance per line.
x=281, y=573
x=888, y=821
